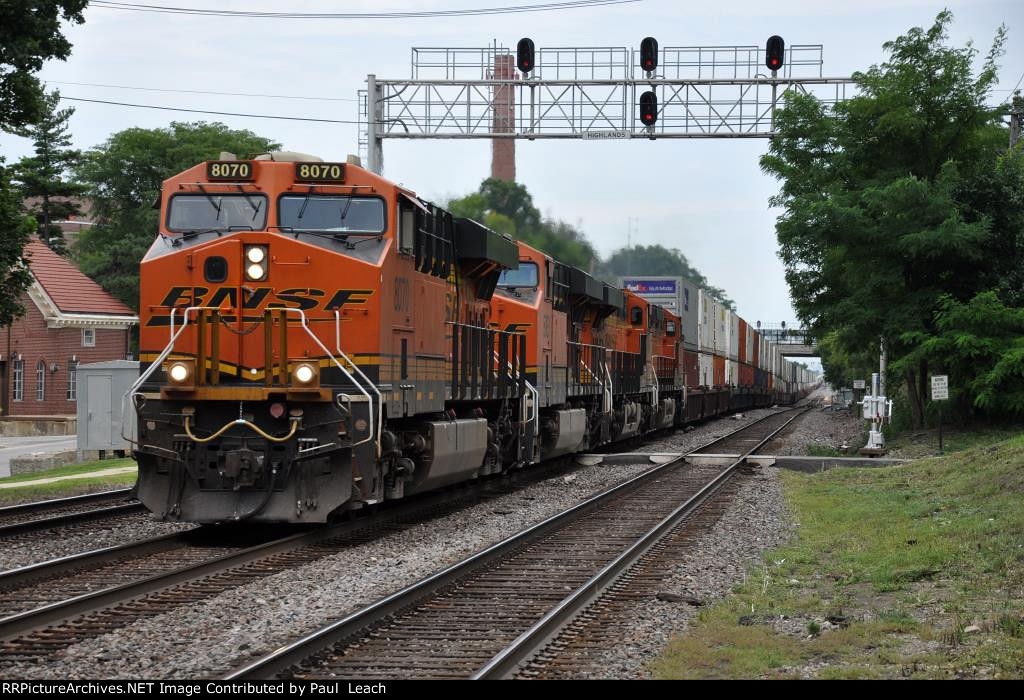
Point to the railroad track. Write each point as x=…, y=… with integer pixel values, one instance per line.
x=51, y=605
x=27, y=519
x=490, y=614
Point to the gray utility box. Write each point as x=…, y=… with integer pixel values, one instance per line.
x=101, y=387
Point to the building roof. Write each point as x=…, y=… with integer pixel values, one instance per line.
x=69, y=288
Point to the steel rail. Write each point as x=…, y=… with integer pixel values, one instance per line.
x=51, y=568
x=293, y=653
x=35, y=506
x=68, y=519
x=17, y=625
x=533, y=640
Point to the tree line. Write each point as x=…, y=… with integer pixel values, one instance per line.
x=903, y=222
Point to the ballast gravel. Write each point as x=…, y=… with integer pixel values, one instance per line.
x=17, y=552
x=755, y=520
x=215, y=636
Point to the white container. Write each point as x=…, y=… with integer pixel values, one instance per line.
x=734, y=336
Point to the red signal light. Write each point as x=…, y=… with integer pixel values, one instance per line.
x=775, y=52
x=648, y=108
x=524, y=55
x=649, y=53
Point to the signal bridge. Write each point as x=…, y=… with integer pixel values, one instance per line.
x=792, y=342
x=591, y=93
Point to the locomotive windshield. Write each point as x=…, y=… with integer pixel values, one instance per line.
x=332, y=213
x=525, y=276
x=217, y=212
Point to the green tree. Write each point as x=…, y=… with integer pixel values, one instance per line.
x=889, y=203
x=42, y=178
x=980, y=345
x=30, y=33
x=15, y=231
x=661, y=261
x=123, y=179
x=507, y=207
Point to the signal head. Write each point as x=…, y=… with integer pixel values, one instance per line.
x=649, y=54
x=525, y=55
x=775, y=53
x=648, y=108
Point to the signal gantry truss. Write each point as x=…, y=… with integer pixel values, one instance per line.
x=587, y=93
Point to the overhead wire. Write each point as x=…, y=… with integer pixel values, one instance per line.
x=208, y=111
x=203, y=92
x=409, y=14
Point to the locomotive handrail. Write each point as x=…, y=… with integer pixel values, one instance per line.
x=609, y=392
x=175, y=333
x=380, y=397
x=132, y=390
x=524, y=416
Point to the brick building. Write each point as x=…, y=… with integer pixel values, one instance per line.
x=69, y=320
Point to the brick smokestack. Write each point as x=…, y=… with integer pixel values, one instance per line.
x=503, y=151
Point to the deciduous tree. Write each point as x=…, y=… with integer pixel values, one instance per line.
x=889, y=199
x=30, y=33
x=123, y=178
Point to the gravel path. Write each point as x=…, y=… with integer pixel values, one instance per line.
x=220, y=634
x=15, y=553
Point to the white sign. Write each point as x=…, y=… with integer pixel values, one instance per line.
x=858, y=383
x=940, y=387
x=610, y=134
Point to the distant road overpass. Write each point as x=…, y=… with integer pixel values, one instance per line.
x=793, y=342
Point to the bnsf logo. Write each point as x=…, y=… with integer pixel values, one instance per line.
x=259, y=298
x=297, y=298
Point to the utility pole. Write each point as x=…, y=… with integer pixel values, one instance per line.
x=1016, y=117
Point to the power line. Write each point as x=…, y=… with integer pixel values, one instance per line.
x=206, y=92
x=207, y=111
x=412, y=14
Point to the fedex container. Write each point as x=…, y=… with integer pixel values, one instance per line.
x=676, y=294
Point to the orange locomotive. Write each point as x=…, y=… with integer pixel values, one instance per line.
x=315, y=338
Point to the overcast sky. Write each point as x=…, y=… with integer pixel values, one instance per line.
x=706, y=197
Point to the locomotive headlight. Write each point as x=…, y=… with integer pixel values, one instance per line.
x=256, y=263
x=255, y=272
x=181, y=374
x=305, y=374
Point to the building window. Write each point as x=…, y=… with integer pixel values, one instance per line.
x=72, y=380
x=19, y=380
x=41, y=381
x=89, y=337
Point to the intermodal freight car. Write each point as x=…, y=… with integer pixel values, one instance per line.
x=315, y=338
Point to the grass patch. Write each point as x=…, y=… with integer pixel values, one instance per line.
x=925, y=443
x=67, y=487
x=824, y=451
x=912, y=571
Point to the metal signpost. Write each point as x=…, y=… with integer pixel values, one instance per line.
x=940, y=392
x=588, y=93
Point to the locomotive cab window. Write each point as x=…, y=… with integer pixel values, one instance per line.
x=338, y=215
x=525, y=277
x=636, y=316
x=188, y=213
